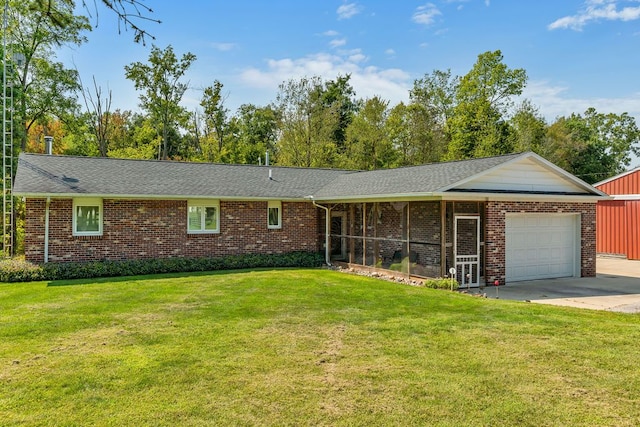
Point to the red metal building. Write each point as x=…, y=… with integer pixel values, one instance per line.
x=618, y=220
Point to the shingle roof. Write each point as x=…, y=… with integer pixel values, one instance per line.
x=65, y=175
x=423, y=179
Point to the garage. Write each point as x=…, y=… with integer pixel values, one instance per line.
x=541, y=246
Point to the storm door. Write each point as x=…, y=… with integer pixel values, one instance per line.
x=467, y=250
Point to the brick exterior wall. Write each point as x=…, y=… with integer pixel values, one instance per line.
x=495, y=228
x=135, y=229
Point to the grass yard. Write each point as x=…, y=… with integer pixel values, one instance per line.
x=306, y=347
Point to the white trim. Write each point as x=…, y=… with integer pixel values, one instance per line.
x=274, y=204
x=625, y=196
x=87, y=201
x=210, y=203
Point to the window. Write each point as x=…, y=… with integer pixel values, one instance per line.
x=274, y=215
x=202, y=216
x=87, y=217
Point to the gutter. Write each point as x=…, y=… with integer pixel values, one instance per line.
x=327, y=227
x=46, y=230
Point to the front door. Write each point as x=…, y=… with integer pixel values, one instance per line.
x=467, y=250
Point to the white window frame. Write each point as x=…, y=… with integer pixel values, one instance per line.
x=88, y=202
x=204, y=204
x=275, y=204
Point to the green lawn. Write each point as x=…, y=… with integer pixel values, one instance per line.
x=306, y=347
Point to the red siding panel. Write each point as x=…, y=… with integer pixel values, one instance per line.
x=612, y=227
x=633, y=229
x=627, y=184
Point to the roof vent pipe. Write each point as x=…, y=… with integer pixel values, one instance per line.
x=48, y=145
x=270, y=174
x=266, y=158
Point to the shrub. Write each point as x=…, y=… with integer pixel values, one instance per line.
x=442, y=283
x=16, y=270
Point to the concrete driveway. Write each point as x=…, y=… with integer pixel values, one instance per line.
x=615, y=288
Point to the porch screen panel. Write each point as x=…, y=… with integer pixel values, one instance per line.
x=424, y=251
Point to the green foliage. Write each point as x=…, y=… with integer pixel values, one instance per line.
x=442, y=283
x=22, y=271
x=593, y=146
x=162, y=90
x=478, y=126
x=367, y=144
x=307, y=124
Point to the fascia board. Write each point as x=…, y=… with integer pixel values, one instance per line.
x=625, y=197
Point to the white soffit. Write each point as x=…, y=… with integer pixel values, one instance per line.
x=525, y=174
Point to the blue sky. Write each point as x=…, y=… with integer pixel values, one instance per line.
x=577, y=53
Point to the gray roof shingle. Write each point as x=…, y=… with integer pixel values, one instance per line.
x=65, y=175
x=41, y=175
x=422, y=179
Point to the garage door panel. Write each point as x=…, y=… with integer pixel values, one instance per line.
x=540, y=246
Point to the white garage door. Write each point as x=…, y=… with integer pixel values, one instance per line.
x=541, y=246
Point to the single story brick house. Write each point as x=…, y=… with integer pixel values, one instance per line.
x=507, y=218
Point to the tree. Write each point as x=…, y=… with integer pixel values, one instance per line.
x=215, y=117
x=159, y=80
x=339, y=96
x=44, y=86
x=368, y=145
x=128, y=12
x=529, y=128
x=98, y=115
x=258, y=131
x=478, y=126
x=593, y=146
x=415, y=135
x=436, y=92
x=307, y=124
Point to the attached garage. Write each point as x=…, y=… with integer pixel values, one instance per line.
x=541, y=246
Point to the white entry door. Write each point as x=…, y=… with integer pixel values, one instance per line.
x=541, y=246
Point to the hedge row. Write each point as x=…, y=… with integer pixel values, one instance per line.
x=22, y=271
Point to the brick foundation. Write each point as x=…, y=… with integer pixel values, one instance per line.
x=137, y=229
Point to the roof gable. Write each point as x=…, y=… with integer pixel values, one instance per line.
x=528, y=173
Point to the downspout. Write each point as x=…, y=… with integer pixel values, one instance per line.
x=327, y=227
x=46, y=230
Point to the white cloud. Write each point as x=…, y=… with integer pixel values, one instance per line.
x=337, y=42
x=224, y=47
x=348, y=10
x=390, y=52
x=392, y=84
x=426, y=14
x=553, y=102
x=330, y=33
x=597, y=10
